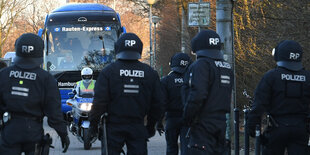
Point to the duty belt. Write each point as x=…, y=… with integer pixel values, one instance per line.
x=174, y=114
x=290, y=120
x=214, y=116
x=117, y=120
x=17, y=115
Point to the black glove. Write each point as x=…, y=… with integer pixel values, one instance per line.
x=190, y=114
x=151, y=130
x=151, y=122
x=74, y=91
x=65, y=142
x=160, y=128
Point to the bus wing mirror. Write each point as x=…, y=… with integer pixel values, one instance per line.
x=48, y=65
x=40, y=32
x=123, y=29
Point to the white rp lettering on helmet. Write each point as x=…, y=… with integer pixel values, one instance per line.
x=183, y=63
x=130, y=43
x=27, y=49
x=214, y=41
x=294, y=56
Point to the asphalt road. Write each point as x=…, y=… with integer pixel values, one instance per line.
x=156, y=145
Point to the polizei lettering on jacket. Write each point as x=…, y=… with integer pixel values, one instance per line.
x=23, y=75
x=178, y=80
x=290, y=77
x=222, y=64
x=131, y=73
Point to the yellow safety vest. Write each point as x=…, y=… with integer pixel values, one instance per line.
x=89, y=89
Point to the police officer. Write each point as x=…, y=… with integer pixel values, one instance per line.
x=208, y=84
x=284, y=94
x=127, y=90
x=87, y=84
x=173, y=107
x=28, y=93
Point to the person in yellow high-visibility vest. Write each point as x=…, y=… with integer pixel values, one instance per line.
x=87, y=84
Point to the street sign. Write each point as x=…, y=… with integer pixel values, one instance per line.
x=199, y=14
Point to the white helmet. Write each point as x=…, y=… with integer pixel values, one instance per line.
x=87, y=74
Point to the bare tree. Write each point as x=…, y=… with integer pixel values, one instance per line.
x=9, y=11
x=134, y=16
x=30, y=18
x=174, y=31
x=35, y=13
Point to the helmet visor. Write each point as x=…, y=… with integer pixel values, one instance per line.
x=211, y=53
x=179, y=69
x=28, y=63
x=86, y=77
x=128, y=55
x=294, y=66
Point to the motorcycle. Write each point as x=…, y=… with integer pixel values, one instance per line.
x=77, y=118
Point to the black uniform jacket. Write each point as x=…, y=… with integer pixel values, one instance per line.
x=171, y=86
x=33, y=94
x=283, y=94
x=128, y=91
x=208, y=84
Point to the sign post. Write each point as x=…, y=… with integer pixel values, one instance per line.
x=199, y=14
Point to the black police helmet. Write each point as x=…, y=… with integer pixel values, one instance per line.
x=289, y=55
x=29, y=51
x=207, y=43
x=179, y=62
x=128, y=47
x=275, y=51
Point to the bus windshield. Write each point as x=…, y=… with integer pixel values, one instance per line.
x=70, y=47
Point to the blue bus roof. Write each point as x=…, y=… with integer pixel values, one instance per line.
x=83, y=7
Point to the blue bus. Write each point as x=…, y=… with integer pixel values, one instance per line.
x=77, y=36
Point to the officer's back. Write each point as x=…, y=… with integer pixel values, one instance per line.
x=291, y=91
x=220, y=74
x=172, y=84
x=132, y=85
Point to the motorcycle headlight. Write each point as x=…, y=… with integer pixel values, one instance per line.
x=85, y=106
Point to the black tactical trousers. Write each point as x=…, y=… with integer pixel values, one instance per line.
x=292, y=138
x=17, y=149
x=173, y=130
x=20, y=135
x=207, y=138
x=133, y=135
x=208, y=149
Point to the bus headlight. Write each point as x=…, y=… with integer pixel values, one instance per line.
x=85, y=106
